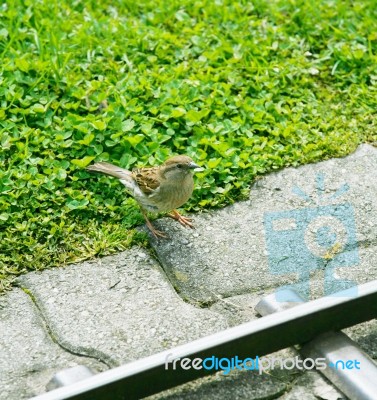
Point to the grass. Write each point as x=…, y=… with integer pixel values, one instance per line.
x=244, y=87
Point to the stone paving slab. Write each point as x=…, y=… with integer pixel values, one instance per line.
x=117, y=308
x=28, y=356
x=122, y=307
x=227, y=254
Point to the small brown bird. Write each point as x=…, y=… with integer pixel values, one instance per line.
x=157, y=189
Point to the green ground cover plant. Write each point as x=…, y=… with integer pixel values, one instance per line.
x=243, y=87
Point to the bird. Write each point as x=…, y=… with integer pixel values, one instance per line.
x=162, y=188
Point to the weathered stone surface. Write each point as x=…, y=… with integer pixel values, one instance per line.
x=332, y=227
x=28, y=356
x=117, y=308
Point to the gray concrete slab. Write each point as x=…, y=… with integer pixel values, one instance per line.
x=330, y=225
x=117, y=308
x=28, y=356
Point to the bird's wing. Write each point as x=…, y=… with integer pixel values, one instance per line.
x=148, y=179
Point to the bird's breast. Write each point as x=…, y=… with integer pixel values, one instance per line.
x=172, y=195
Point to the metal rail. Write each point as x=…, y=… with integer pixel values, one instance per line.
x=297, y=325
x=356, y=381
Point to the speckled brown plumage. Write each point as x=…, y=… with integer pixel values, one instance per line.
x=157, y=189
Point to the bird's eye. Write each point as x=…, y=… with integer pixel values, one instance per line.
x=179, y=166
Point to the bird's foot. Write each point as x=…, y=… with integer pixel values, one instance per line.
x=155, y=232
x=185, y=221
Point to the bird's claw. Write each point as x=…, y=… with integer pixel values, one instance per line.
x=185, y=221
x=158, y=234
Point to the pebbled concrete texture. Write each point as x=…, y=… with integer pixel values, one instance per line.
x=118, y=308
x=28, y=356
x=122, y=307
x=227, y=254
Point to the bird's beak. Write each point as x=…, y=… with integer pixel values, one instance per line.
x=197, y=167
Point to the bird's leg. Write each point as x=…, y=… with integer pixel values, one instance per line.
x=156, y=233
x=181, y=219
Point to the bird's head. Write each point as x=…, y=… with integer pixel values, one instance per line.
x=178, y=167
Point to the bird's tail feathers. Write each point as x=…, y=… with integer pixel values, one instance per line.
x=110, y=169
